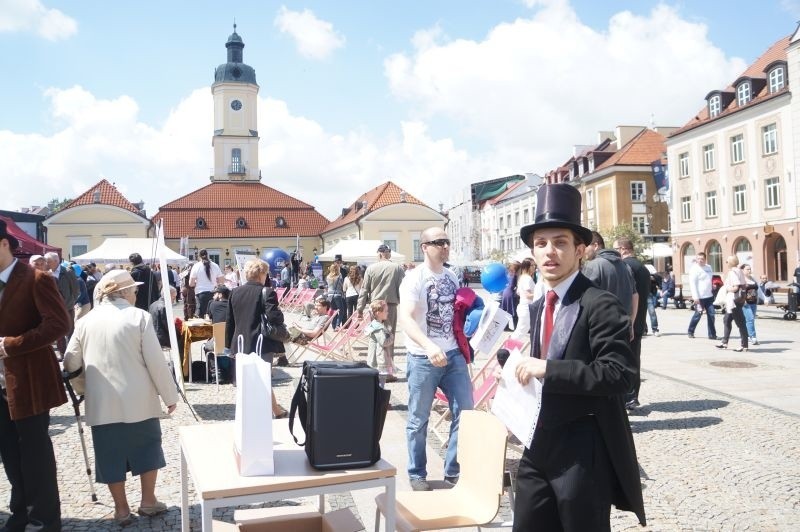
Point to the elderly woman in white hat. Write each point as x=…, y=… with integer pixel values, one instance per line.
x=125, y=373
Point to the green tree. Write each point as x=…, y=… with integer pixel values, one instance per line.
x=56, y=204
x=627, y=230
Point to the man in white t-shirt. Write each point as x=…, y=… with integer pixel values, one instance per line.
x=425, y=314
x=700, y=277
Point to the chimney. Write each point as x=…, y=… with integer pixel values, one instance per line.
x=403, y=196
x=96, y=195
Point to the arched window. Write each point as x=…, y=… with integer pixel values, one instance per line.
x=236, y=161
x=743, y=246
x=687, y=256
x=714, y=256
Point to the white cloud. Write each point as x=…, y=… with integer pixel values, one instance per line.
x=31, y=15
x=314, y=38
x=534, y=87
x=97, y=138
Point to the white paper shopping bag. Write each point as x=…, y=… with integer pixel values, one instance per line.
x=253, y=422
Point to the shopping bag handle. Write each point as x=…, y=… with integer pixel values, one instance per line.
x=259, y=343
x=240, y=344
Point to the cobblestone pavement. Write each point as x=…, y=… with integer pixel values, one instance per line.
x=711, y=458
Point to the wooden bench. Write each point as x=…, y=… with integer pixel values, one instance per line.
x=789, y=307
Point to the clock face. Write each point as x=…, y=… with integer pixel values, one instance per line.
x=236, y=105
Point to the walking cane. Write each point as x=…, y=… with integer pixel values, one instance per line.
x=76, y=404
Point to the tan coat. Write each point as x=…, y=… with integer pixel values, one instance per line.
x=123, y=363
x=32, y=317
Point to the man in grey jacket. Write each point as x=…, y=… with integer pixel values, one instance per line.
x=382, y=281
x=606, y=269
x=68, y=288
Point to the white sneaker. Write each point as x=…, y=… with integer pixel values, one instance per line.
x=754, y=340
x=656, y=333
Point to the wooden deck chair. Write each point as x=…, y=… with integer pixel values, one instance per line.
x=475, y=500
x=300, y=299
x=333, y=349
x=484, y=387
x=289, y=294
x=299, y=349
x=355, y=334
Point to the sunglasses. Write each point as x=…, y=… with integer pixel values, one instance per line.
x=439, y=242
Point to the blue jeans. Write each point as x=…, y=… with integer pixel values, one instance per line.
x=651, y=310
x=708, y=305
x=749, y=310
x=423, y=379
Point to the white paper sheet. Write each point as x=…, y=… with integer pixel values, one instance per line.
x=518, y=406
x=493, y=322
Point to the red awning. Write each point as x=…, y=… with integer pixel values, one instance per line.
x=27, y=244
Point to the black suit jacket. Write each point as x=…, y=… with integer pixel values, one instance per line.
x=244, y=318
x=590, y=367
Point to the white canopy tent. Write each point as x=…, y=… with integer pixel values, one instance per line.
x=118, y=250
x=658, y=250
x=358, y=251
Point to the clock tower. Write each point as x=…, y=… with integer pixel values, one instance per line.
x=235, y=139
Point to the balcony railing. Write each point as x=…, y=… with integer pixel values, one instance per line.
x=237, y=169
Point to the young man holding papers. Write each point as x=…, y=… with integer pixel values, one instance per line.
x=582, y=458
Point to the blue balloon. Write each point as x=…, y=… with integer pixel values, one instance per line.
x=276, y=258
x=493, y=277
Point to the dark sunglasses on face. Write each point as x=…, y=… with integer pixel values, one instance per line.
x=439, y=242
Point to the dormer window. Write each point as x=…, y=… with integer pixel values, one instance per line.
x=280, y=222
x=241, y=223
x=714, y=105
x=200, y=223
x=743, y=94
x=777, y=79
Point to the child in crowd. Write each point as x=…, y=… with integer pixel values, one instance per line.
x=380, y=341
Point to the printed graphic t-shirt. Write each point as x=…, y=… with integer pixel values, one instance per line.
x=433, y=296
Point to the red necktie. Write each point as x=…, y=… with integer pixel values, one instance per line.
x=549, y=309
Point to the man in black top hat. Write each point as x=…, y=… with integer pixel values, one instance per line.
x=582, y=458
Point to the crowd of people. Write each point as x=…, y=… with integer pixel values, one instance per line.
x=112, y=327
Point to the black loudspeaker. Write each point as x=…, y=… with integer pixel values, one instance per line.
x=342, y=409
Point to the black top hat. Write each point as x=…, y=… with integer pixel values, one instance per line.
x=557, y=205
x=13, y=243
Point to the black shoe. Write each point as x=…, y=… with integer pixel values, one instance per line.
x=632, y=404
x=691, y=335
x=282, y=361
x=715, y=338
x=420, y=484
x=450, y=481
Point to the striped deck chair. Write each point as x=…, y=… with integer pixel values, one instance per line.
x=484, y=386
x=299, y=349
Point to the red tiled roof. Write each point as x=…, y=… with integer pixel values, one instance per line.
x=775, y=52
x=222, y=204
x=109, y=195
x=642, y=149
x=381, y=196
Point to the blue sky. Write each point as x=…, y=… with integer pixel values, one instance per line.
x=433, y=95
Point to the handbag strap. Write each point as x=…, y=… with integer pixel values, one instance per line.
x=299, y=405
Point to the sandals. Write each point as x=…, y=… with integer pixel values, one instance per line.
x=158, y=508
x=124, y=521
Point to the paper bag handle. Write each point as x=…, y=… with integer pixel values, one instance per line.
x=240, y=344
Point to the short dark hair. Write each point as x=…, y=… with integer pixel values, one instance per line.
x=625, y=243
x=597, y=238
x=324, y=302
x=135, y=258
